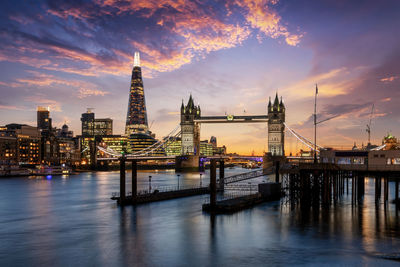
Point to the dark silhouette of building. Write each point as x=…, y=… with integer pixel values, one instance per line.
x=43, y=118
x=136, y=118
x=276, y=127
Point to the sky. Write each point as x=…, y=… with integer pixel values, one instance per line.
x=230, y=55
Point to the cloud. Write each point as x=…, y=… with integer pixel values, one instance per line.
x=331, y=83
x=9, y=107
x=260, y=15
x=169, y=33
x=85, y=92
x=389, y=79
x=41, y=100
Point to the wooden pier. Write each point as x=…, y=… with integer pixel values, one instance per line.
x=312, y=184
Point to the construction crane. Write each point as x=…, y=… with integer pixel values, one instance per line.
x=368, y=130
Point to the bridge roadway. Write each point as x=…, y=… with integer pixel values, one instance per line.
x=142, y=158
x=233, y=119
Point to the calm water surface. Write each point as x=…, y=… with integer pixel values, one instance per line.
x=71, y=221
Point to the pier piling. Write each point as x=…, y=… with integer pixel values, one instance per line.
x=134, y=180
x=221, y=175
x=213, y=183
x=122, y=194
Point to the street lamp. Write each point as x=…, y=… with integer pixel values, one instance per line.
x=201, y=182
x=178, y=180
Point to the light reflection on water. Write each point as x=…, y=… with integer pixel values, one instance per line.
x=71, y=221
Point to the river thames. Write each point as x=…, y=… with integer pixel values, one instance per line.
x=71, y=221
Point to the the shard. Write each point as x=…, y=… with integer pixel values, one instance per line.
x=136, y=118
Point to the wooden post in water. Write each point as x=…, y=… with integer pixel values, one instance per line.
x=347, y=183
x=213, y=183
x=377, y=193
x=386, y=189
x=221, y=175
x=362, y=183
x=396, y=192
x=134, y=180
x=277, y=163
x=334, y=187
x=122, y=180
x=353, y=187
x=379, y=187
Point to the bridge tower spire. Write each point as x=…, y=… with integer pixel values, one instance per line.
x=276, y=127
x=190, y=130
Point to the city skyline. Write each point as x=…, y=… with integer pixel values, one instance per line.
x=231, y=56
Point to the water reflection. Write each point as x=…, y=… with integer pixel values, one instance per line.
x=68, y=221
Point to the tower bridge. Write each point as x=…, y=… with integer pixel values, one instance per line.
x=191, y=119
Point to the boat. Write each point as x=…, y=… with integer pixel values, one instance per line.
x=44, y=170
x=13, y=170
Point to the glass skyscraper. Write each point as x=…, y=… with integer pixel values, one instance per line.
x=136, y=118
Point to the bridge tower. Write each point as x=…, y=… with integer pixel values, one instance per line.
x=276, y=127
x=190, y=136
x=190, y=130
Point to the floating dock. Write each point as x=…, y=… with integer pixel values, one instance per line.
x=159, y=196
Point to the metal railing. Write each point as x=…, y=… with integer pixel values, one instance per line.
x=231, y=195
x=243, y=176
x=242, y=187
x=155, y=190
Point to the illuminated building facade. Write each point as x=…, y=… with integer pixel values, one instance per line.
x=117, y=143
x=68, y=152
x=8, y=147
x=26, y=147
x=206, y=148
x=276, y=127
x=87, y=120
x=136, y=118
x=103, y=127
x=173, y=147
x=140, y=141
x=95, y=127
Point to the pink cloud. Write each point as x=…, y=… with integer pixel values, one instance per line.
x=389, y=79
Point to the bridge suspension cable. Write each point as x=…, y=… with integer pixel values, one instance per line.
x=172, y=136
x=302, y=139
x=173, y=132
x=165, y=142
x=379, y=147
